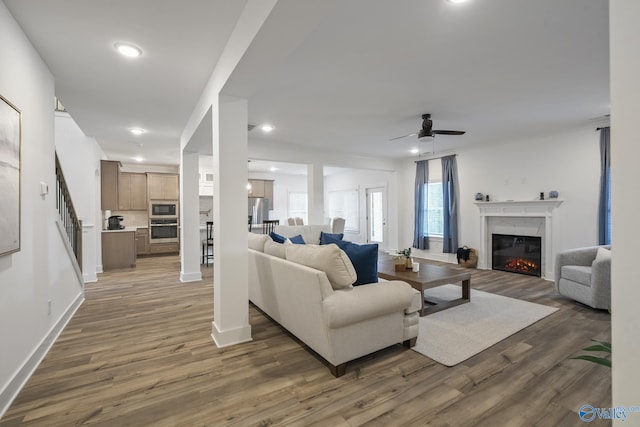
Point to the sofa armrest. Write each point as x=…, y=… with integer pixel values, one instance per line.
x=352, y=305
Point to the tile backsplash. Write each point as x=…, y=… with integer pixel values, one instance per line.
x=206, y=209
x=133, y=218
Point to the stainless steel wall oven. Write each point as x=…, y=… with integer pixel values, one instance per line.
x=163, y=230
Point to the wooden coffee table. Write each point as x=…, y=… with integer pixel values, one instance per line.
x=429, y=276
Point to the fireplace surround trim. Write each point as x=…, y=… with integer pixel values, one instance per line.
x=544, y=209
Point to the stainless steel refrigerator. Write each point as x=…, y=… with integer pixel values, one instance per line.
x=258, y=209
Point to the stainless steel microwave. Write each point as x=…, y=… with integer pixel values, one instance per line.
x=163, y=208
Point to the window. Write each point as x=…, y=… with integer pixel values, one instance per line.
x=433, y=210
x=298, y=206
x=344, y=204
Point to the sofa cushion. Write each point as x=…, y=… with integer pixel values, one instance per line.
x=256, y=241
x=277, y=238
x=310, y=233
x=576, y=273
x=275, y=249
x=363, y=257
x=297, y=240
x=325, y=238
x=328, y=258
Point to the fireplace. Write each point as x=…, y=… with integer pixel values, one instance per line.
x=516, y=254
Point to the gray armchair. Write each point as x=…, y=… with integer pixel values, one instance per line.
x=582, y=277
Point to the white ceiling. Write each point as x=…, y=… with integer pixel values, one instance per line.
x=348, y=77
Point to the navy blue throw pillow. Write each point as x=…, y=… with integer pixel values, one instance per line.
x=277, y=238
x=298, y=240
x=323, y=239
x=363, y=257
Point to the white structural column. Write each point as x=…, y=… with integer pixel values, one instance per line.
x=230, y=255
x=315, y=193
x=624, y=35
x=189, y=217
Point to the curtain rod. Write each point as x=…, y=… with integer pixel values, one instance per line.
x=436, y=158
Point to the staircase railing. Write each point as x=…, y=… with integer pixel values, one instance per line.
x=70, y=222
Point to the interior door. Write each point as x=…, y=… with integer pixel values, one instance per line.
x=377, y=216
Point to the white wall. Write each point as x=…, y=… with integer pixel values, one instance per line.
x=568, y=163
x=282, y=185
x=83, y=180
x=361, y=180
x=41, y=271
x=625, y=175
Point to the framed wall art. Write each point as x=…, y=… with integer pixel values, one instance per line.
x=10, y=140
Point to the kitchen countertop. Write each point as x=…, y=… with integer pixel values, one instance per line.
x=127, y=228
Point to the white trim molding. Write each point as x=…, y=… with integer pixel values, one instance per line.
x=543, y=209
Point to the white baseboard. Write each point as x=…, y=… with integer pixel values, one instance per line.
x=230, y=336
x=190, y=277
x=10, y=392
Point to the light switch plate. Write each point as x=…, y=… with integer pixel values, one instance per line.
x=44, y=188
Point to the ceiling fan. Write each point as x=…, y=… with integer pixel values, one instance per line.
x=427, y=130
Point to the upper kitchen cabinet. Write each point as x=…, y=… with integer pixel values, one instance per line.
x=109, y=184
x=162, y=186
x=132, y=192
x=257, y=188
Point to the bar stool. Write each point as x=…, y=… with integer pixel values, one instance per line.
x=208, y=243
x=269, y=225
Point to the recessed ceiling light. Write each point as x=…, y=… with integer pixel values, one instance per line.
x=128, y=50
x=457, y=1
x=273, y=168
x=266, y=128
x=414, y=151
x=137, y=131
x=138, y=159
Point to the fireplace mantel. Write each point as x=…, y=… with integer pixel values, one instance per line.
x=519, y=208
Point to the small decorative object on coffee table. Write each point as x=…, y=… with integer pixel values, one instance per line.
x=405, y=254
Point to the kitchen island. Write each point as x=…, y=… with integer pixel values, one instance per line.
x=118, y=248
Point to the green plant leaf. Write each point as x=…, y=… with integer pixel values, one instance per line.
x=594, y=359
x=604, y=343
x=598, y=347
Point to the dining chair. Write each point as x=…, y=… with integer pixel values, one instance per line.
x=208, y=243
x=269, y=225
x=337, y=225
x=291, y=221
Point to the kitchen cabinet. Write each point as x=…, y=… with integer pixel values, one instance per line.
x=142, y=241
x=262, y=188
x=132, y=192
x=163, y=186
x=118, y=249
x=109, y=184
x=257, y=188
x=164, y=248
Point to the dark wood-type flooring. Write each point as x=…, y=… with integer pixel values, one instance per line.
x=139, y=352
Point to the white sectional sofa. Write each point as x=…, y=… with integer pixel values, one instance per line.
x=338, y=321
x=310, y=233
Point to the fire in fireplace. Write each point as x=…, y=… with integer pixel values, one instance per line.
x=517, y=254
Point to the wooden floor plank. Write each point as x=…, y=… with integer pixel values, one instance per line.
x=139, y=352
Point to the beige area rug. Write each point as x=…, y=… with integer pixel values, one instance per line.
x=454, y=335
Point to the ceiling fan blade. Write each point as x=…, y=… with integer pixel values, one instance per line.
x=448, y=132
x=403, y=136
